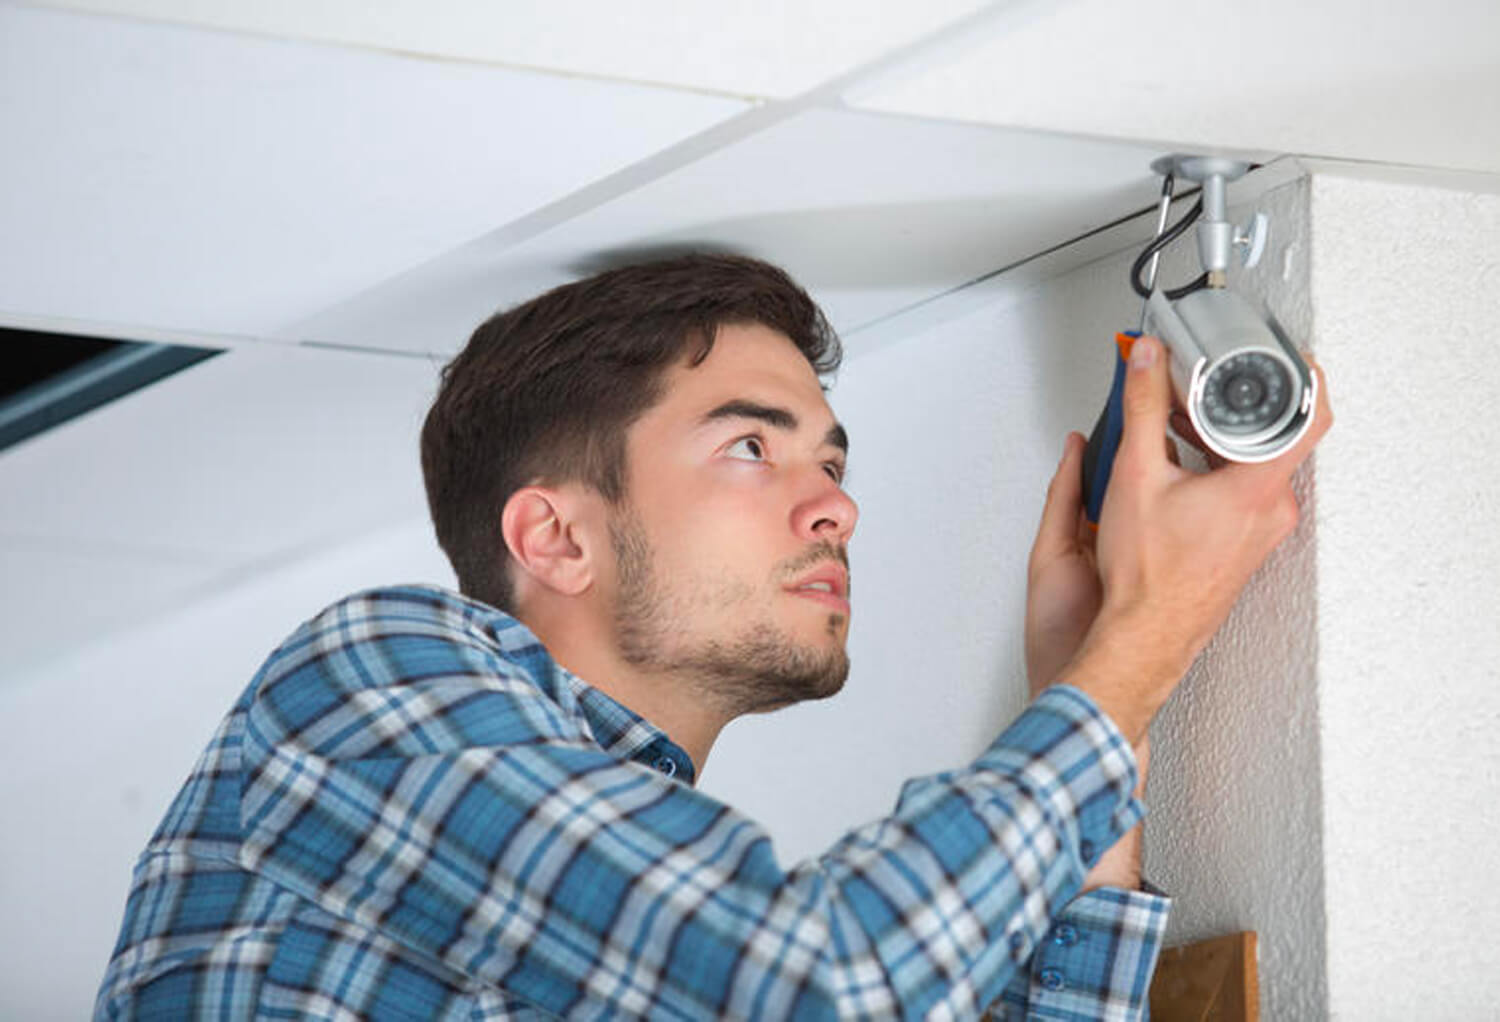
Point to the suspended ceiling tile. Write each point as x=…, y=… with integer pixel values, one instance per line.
x=871, y=213
x=181, y=178
x=263, y=452
x=773, y=48
x=1395, y=82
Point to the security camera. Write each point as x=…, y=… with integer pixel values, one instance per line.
x=1246, y=389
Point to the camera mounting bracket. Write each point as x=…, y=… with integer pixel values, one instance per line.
x=1217, y=237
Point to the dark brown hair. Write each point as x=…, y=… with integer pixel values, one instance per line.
x=544, y=392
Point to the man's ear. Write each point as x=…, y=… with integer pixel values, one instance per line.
x=545, y=530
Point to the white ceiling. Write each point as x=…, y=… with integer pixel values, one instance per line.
x=771, y=48
x=873, y=215
x=382, y=175
x=1381, y=80
x=174, y=177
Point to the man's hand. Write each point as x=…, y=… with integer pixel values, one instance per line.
x=1124, y=617
x=1063, y=592
x=1175, y=549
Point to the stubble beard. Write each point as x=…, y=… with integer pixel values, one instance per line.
x=756, y=669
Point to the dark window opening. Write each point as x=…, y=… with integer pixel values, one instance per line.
x=48, y=378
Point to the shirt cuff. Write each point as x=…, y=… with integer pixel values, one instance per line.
x=1095, y=963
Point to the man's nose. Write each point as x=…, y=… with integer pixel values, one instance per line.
x=825, y=512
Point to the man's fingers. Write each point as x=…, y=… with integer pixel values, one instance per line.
x=1085, y=532
x=1058, y=531
x=1270, y=483
x=1183, y=427
x=1147, y=401
x=1322, y=418
x=1286, y=466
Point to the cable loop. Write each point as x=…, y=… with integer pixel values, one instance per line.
x=1160, y=242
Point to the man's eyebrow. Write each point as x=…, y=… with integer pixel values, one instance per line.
x=780, y=418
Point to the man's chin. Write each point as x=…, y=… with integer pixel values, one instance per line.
x=833, y=684
x=787, y=674
x=825, y=670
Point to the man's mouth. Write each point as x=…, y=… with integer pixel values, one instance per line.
x=828, y=585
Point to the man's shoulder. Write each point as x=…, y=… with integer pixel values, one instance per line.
x=410, y=653
x=418, y=604
x=424, y=616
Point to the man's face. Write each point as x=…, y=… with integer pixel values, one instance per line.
x=730, y=545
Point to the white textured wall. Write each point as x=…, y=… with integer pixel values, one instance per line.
x=1406, y=290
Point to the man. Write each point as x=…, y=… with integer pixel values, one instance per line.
x=429, y=805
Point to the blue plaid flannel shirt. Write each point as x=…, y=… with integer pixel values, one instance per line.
x=414, y=812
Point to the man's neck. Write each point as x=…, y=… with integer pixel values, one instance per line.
x=672, y=704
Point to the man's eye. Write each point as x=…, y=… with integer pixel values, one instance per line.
x=748, y=448
x=835, y=471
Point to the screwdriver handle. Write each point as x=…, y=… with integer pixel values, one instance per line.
x=1104, y=441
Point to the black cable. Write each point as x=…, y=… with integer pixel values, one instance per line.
x=1160, y=242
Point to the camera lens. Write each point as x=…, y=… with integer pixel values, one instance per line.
x=1247, y=393
x=1244, y=392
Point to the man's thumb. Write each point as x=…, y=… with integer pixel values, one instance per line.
x=1148, y=399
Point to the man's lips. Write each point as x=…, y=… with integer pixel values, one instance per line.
x=828, y=584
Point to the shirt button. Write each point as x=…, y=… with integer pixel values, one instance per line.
x=1065, y=935
x=1052, y=979
x=1019, y=945
x=1086, y=849
x=667, y=765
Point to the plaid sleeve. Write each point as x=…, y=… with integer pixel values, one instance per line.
x=1095, y=963
x=421, y=787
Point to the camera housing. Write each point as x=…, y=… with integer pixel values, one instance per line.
x=1245, y=388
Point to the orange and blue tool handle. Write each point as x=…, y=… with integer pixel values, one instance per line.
x=1104, y=441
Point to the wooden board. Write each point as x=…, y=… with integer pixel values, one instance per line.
x=1210, y=981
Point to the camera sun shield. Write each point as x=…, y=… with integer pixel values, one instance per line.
x=1245, y=388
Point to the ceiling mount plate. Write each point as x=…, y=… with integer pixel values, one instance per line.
x=1200, y=168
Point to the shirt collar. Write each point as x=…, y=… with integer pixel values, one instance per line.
x=619, y=730
x=625, y=734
